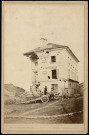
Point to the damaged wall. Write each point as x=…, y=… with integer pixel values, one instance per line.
x=49, y=60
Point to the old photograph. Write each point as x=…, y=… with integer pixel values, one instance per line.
x=44, y=66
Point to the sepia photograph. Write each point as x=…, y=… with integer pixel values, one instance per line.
x=44, y=67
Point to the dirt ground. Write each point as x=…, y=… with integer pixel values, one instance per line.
x=54, y=112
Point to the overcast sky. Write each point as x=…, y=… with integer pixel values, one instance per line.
x=25, y=24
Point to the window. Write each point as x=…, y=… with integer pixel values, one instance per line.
x=54, y=74
x=47, y=51
x=53, y=59
x=69, y=73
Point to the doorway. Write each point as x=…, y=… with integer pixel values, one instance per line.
x=55, y=87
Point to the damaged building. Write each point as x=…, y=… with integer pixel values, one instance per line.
x=54, y=66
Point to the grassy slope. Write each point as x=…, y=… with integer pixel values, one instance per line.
x=48, y=109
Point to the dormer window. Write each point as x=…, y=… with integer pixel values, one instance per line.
x=53, y=59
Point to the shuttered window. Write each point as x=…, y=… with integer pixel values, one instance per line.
x=53, y=59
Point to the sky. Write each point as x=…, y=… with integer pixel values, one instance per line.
x=25, y=24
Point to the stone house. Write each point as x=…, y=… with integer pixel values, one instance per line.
x=54, y=66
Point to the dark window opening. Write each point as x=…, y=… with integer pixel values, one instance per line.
x=54, y=74
x=47, y=51
x=48, y=77
x=53, y=59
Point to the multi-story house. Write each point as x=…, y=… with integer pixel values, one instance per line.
x=55, y=66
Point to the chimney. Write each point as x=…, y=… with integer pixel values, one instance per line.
x=43, y=43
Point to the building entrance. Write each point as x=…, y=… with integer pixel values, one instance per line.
x=55, y=87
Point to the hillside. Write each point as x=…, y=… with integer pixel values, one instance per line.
x=12, y=93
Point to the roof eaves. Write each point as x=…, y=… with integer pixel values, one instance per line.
x=72, y=53
x=38, y=49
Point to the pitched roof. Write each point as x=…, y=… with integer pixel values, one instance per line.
x=48, y=47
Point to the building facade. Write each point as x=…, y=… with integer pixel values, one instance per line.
x=54, y=66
